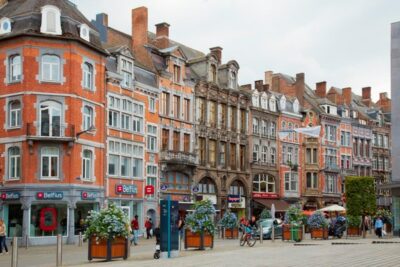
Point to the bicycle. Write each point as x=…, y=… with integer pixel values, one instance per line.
x=248, y=236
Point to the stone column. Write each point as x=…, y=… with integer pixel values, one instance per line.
x=26, y=206
x=71, y=223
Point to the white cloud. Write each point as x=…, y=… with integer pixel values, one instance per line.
x=346, y=43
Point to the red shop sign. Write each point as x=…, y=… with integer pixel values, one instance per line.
x=48, y=219
x=149, y=190
x=265, y=195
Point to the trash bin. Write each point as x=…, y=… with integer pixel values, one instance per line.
x=294, y=233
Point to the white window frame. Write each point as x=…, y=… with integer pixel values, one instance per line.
x=14, y=164
x=152, y=145
x=88, y=118
x=15, y=114
x=314, y=180
x=290, y=179
x=264, y=178
x=264, y=154
x=14, y=67
x=50, y=156
x=5, y=25
x=57, y=20
x=126, y=69
x=84, y=32
x=256, y=151
x=121, y=150
x=88, y=165
x=52, y=107
x=152, y=104
x=88, y=76
x=51, y=65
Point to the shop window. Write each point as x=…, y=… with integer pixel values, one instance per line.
x=48, y=220
x=14, y=221
x=81, y=213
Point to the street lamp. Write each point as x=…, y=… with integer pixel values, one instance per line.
x=90, y=129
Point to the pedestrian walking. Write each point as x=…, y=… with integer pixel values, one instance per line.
x=3, y=235
x=135, y=230
x=148, y=225
x=181, y=225
x=378, y=227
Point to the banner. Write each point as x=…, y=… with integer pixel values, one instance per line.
x=310, y=131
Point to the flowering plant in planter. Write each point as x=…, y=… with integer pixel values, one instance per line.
x=229, y=220
x=386, y=215
x=202, y=218
x=107, y=223
x=317, y=220
x=353, y=221
x=293, y=215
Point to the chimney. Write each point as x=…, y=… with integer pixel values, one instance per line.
x=101, y=24
x=268, y=77
x=217, y=52
x=162, y=34
x=366, y=93
x=321, y=89
x=385, y=103
x=266, y=87
x=347, y=95
x=139, y=28
x=103, y=18
x=258, y=85
x=276, y=83
x=300, y=88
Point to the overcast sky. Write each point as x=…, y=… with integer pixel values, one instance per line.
x=343, y=42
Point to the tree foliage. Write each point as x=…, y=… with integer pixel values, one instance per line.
x=265, y=214
x=360, y=196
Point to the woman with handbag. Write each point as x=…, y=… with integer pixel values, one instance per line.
x=3, y=237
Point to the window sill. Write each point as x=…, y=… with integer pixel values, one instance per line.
x=13, y=179
x=14, y=128
x=13, y=82
x=49, y=179
x=89, y=89
x=51, y=82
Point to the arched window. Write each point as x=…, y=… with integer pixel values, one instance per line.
x=50, y=119
x=14, y=111
x=51, y=68
x=263, y=183
x=14, y=163
x=87, y=117
x=88, y=75
x=15, y=68
x=272, y=104
x=256, y=99
x=51, y=20
x=237, y=188
x=50, y=162
x=87, y=163
x=207, y=186
x=232, y=80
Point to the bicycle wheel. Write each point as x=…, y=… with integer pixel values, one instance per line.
x=251, y=241
x=242, y=240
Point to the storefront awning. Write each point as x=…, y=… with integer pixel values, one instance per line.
x=280, y=205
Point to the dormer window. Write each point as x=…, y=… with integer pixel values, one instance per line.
x=51, y=20
x=5, y=25
x=213, y=73
x=264, y=101
x=232, y=80
x=84, y=32
x=256, y=99
x=177, y=74
x=283, y=103
x=296, y=106
x=272, y=104
x=126, y=72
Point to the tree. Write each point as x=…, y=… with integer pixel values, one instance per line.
x=360, y=197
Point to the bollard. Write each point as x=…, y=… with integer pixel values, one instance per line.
x=273, y=233
x=80, y=239
x=303, y=232
x=26, y=241
x=59, y=251
x=261, y=233
x=14, y=256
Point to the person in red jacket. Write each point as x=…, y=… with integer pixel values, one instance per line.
x=148, y=225
x=135, y=229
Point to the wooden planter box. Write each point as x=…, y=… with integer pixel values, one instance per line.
x=197, y=240
x=388, y=228
x=292, y=233
x=321, y=233
x=108, y=249
x=353, y=231
x=232, y=233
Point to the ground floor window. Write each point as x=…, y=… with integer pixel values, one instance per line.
x=14, y=221
x=48, y=220
x=81, y=212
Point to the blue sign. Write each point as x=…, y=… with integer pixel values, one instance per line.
x=164, y=187
x=195, y=189
x=10, y=196
x=85, y=195
x=126, y=189
x=50, y=195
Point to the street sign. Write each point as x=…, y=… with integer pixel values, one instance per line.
x=149, y=190
x=164, y=187
x=195, y=189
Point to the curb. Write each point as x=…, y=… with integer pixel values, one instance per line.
x=346, y=243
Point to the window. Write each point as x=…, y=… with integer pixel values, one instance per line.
x=201, y=110
x=264, y=154
x=213, y=72
x=255, y=126
x=380, y=140
x=375, y=142
x=223, y=115
x=152, y=138
x=232, y=80
x=311, y=155
x=264, y=128
x=330, y=158
x=202, y=150
x=374, y=163
x=88, y=76
x=186, y=143
x=207, y=186
x=125, y=159
x=51, y=21
x=165, y=103
x=14, y=111
x=330, y=133
x=344, y=138
x=289, y=155
x=232, y=159
x=176, y=106
x=138, y=121
x=186, y=109
x=50, y=119
x=176, y=139
x=50, y=162
x=51, y=68
x=211, y=152
x=127, y=73
x=291, y=179
x=243, y=121
x=176, y=181
x=5, y=25
x=272, y=129
x=177, y=73
x=242, y=157
x=84, y=32
x=151, y=177
x=87, y=117
x=345, y=162
x=15, y=70
x=284, y=159
x=273, y=155
x=212, y=114
x=264, y=101
x=256, y=99
x=152, y=104
x=312, y=180
x=233, y=118
x=165, y=139
x=14, y=163
x=222, y=154
x=272, y=104
x=87, y=163
x=236, y=188
x=256, y=149
x=330, y=183
x=385, y=141
x=263, y=183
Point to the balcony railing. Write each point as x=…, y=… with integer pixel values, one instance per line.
x=178, y=157
x=53, y=132
x=332, y=167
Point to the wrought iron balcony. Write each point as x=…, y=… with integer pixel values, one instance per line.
x=48, y=132
x=178, y=157
x=332, y=168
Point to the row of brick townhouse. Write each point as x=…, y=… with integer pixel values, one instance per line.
x=94, y=116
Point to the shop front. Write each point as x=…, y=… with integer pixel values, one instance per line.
x=266, y=200
x=39, y=214
x=237, y=205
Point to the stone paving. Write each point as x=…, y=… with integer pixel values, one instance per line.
x=348, y=252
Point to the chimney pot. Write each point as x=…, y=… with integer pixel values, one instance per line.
x=217, y=52
x=366, y=93
x=162, y=29
x=321, y=89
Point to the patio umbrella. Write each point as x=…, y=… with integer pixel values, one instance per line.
x=333, y=208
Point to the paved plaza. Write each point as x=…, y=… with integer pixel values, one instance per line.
x=349, y=252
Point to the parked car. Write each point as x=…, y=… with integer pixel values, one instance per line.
x=266, y=225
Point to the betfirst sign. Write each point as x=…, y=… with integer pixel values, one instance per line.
x=10, y=196
x=126, y=189
x=49, y=195
x=87, y=195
